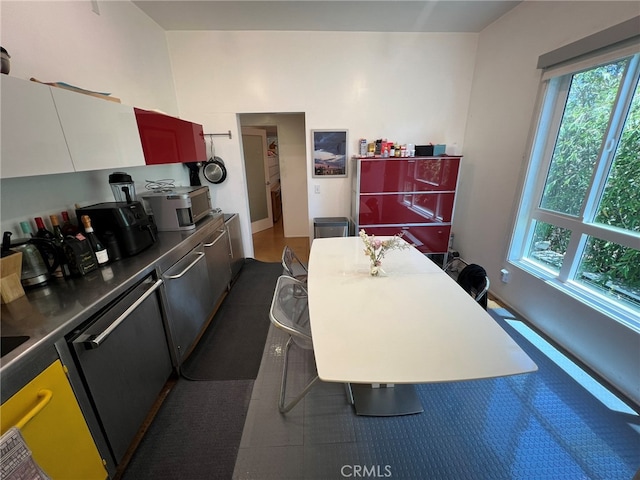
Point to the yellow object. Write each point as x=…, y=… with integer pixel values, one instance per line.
x=47, y=413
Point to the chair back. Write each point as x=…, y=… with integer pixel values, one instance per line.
x=474, y=280
x=290, y=310
x=292, y=265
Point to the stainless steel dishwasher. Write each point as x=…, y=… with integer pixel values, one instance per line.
x=123, y=358
x=195, y=284
x=232, y=222
x=188, y=298
x=217, y=251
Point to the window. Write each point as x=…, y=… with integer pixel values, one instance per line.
x=579, y=218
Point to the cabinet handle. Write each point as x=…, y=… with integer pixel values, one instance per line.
x=189, y=267
x=98, y=339
x=222, y=232
x=45, y=396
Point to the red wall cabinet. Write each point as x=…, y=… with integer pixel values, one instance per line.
x=414, y=195
x=166, y=139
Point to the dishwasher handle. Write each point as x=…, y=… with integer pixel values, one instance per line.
x=222, y=233
x=96, y=340
x=199, y=256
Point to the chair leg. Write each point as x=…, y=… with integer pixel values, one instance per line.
x=347, y=387
x=283, y=387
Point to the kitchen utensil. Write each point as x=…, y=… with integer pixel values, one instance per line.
x=35, y=271
x=194, y=173
x=122, y=186
x=214, y=170
x=10, y=270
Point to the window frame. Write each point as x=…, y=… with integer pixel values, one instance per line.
x=553, y=93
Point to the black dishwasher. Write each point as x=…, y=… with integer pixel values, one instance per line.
x=123, y=358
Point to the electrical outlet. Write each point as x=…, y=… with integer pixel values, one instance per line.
x=504, y=275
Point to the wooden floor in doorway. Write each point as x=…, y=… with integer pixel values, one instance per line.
x=268, y=244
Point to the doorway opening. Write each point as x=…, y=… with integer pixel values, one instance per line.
x=274, y=150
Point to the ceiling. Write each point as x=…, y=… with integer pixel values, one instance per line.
x=327, y=15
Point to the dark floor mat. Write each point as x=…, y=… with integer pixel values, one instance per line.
x=196, y=433
x=232, y=346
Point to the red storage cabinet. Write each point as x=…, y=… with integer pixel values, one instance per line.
x=167, y=139
x=414, y=195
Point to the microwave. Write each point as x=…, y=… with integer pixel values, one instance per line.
x=178, y=208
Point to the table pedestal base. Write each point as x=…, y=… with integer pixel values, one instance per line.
x=401, y=399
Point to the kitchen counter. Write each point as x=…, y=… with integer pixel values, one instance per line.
x=47, y=314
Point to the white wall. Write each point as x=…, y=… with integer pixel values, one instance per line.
x=412, y=88
x=120, y=51
x=505, y=87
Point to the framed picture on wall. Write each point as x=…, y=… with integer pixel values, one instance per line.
x=329, y=153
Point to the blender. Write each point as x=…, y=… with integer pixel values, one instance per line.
x=122, y=186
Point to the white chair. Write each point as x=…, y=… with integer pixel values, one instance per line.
x=290, y=313
x=293, y=266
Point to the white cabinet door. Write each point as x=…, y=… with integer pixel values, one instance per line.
x=32, y=138
x=100, y=134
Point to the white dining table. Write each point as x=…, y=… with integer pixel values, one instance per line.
x=411, y=324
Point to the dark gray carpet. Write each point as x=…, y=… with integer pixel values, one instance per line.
x=231, y=348
x=196, y=433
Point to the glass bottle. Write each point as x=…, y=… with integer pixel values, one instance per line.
x=26, y=229
x=67, y=227
x=98, y=247
x=57, y=230
x=42, y=231
x=58, y=240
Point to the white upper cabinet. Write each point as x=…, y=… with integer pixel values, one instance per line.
x=32, y=138
x=99, y=133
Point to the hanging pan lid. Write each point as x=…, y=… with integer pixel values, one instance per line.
x=214, y=170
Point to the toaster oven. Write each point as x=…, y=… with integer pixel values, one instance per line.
x=178, y=208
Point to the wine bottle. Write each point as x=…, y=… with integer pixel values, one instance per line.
x=26, y=229
x=98, y=247
x=67, y=227
x=42, y=231
x=58, y=239
x=57, y=230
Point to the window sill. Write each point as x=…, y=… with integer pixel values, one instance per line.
x=598, y=302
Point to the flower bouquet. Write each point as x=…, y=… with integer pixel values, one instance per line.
x=375, y=249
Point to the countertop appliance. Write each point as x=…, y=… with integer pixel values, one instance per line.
x=178, y=208
x=122, y=186
x=128, y=222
